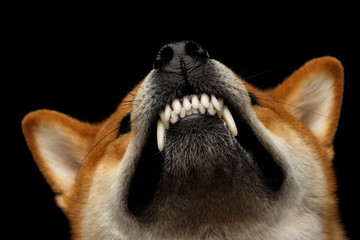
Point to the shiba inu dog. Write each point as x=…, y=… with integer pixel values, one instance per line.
x=196, y=152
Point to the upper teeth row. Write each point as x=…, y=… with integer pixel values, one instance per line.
x=192, y=105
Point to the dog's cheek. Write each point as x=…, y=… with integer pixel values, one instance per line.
x=269, y=119
x=278, y=122
x=98, y=208
x=104, y=172
x=116, y=150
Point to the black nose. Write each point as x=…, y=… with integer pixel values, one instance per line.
x=180, y=56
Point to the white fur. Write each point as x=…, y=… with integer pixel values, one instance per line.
x=61, y=157
x=314, y=103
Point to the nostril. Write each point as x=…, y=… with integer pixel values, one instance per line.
x=196, y=50
x=180, y=57
x=164, y=56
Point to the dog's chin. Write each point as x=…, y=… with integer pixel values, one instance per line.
x=201, y=145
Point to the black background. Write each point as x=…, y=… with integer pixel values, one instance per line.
x=82, y=60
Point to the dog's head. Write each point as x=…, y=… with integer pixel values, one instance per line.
x=195, y=152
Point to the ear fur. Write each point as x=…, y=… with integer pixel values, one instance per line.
x=313, y=94
x=59, y=144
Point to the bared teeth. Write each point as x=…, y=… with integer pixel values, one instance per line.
x=167, y=112
x=229, y=120
x=195, y=102
x=192, y=105
x=176, y=106
x=186, y=104
x=216, y=103
x=161, y=130
x=205, y=101
x=164, y=119
x=174, y=117
x=211, y=109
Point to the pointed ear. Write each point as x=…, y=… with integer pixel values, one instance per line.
x=313, y=94
x=58, y=144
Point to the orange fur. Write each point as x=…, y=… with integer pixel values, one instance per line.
x=273, y=101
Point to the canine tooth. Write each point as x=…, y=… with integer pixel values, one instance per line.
x=229, y=120
x=221, y=102
x=205, y=101
x=174, y=117
x=161, y=135
x=186, y=104
x=215, y=103
x=195, y=102
x=162, y=117
x=176, y=105
x=167, y=112
x=211, y=110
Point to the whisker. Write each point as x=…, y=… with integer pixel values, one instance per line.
x=251, y=95
x=100, y=140
x=97, y=143
x=261, y=73
x=320, y=196
x=291, y=105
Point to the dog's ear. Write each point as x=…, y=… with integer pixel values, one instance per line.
x=59, y=144
x=313, y=94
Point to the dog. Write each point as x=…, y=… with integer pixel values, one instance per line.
x=196, y=152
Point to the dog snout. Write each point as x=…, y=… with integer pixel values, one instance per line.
x=180, y=57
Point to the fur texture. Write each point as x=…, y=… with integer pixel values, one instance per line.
x=274, y=180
